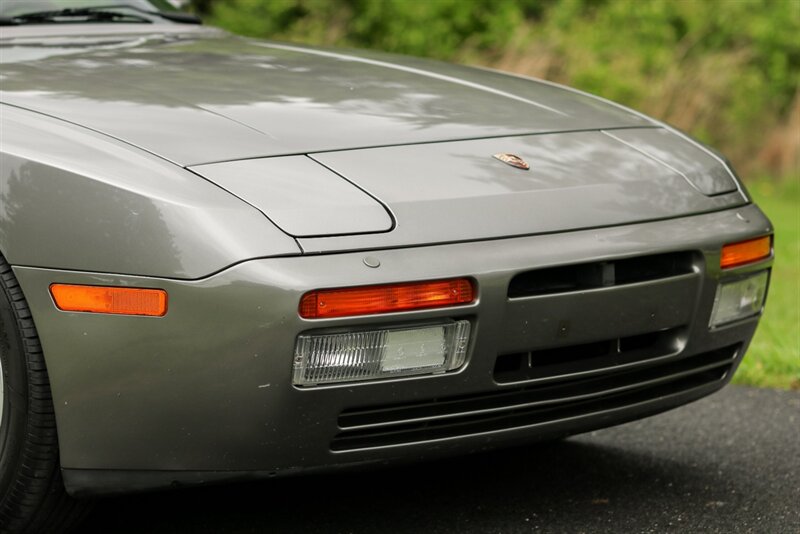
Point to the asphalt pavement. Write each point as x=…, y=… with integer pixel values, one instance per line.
x=729, y=463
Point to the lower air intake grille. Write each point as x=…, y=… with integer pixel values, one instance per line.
x=529, y=405
x=589, y=358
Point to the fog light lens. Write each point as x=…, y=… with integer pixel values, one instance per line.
x=355, y=356
x=739, y=299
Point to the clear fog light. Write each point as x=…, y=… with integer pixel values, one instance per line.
x=367, y=355
x=739, y=299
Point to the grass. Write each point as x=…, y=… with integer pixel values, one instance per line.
x=773, y=359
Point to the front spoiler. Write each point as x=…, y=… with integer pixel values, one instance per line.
x=105, y=482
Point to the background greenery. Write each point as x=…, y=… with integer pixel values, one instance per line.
x=726, y=71
x=774, y=355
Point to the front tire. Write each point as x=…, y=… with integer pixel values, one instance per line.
x=32, y=495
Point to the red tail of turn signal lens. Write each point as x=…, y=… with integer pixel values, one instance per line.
x=744, y=252
x=327, y=303
x=113, y=300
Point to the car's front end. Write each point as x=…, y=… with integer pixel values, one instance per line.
x=210, y=391
x=248, y=259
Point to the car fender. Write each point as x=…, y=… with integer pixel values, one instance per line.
x=75, y=199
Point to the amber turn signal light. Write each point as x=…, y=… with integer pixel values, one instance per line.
x=744, y=252
x=327, y=303
x=112, y=300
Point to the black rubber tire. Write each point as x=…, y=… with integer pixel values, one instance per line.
x=32, y=495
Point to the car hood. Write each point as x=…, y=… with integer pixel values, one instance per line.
x=459, y=191
x=200, y=96
x=357, y=150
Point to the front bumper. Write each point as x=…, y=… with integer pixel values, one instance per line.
x=204, y=393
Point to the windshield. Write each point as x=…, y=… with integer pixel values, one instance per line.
x=11, y=8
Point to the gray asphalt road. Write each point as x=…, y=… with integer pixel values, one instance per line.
x=728, y=463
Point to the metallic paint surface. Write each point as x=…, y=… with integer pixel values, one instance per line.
x=445, y=192
x=179, y=95
x=697, y=166
x=207, y=387
x=74, y=199
x=301, y=197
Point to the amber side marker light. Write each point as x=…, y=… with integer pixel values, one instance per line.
x=112, y=300
x=744, y=252
x=328, y=303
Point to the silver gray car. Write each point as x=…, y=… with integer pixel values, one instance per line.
x=224, y=258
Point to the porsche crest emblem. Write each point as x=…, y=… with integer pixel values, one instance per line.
x=514, y=161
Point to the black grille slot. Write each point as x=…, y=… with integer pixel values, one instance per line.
x=547, y=357
x=643, y=341
x=585, y=276
x=594, y=357
x=529, y=405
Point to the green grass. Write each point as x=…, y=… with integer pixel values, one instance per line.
x=773, y=359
